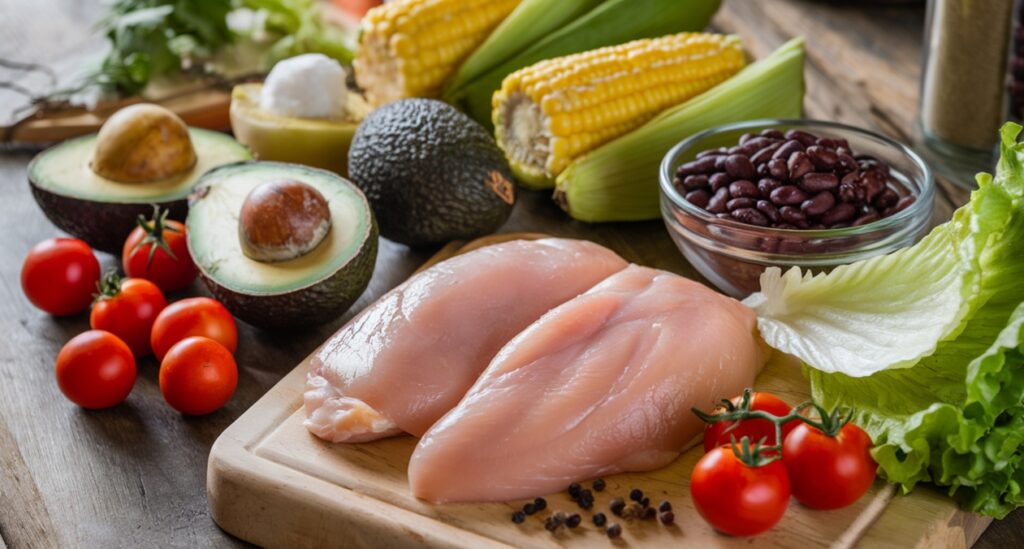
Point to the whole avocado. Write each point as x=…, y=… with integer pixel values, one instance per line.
x=431, y=173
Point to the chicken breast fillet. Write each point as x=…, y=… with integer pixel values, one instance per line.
x=410, y=357
x=600, y=385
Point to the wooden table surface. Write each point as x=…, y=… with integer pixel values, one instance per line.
x=135, y=475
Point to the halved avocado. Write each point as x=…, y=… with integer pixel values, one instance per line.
x=102, y=211
x=312, y=142
x=311, y=289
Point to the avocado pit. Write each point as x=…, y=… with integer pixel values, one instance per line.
x=282, y=220
x=143, y=143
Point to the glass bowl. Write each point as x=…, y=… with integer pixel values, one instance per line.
x=732, y=255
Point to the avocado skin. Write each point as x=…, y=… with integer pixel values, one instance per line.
x=303, y=308
x=103, y=225
x=426, y=169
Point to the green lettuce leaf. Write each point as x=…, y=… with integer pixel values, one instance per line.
x=927, y=344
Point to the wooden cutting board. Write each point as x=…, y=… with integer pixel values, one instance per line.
x=272, y=483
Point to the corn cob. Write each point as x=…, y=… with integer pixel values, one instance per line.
x=619, y=181
x=612, y=22
x=550, y=113
x=409, y=48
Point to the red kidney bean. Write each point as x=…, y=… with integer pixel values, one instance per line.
x=823, y=159
x=803, y=137
x=905, y=202
x=847, y=163
x=699, y=166
x=695, y=182
x=817, y=182
x=788, y=148
x=718, y=181
x=742, y=188
x=766, y=185
x=750, y=216
x=717, y=202
x=778, y=168
x=699, y=198
x=747, y=137
x=762, y=170
x=887, y=199
x=799, y=165
x=739, y=167
x=772, y=133
x=720, y=162
x=873, y=182
x=758, y=143
x=737, y=203
x=819, y=203
x=839, y=213
x=712, y=152
x=787, y=195
x=793, y=216
x=865, y=219
x=769, y=210
x=765, y=154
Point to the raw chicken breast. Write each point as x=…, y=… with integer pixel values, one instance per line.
x=600, y=385
x=411, y=356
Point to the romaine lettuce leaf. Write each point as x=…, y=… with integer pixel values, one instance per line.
x=927, y=344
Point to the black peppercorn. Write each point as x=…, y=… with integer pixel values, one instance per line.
x=614, y=531
x=649, y=513
x=573, y=520
x=636, y=494
x=667, y=518
x=574, y=490
x=529, y=509
x=665, y=506
x=646, y=502
x=518, y=517
x=617, y=505
x=540, y=504
x=600, y=519
x=599, y=485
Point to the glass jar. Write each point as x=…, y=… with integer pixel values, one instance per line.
x=963, y=85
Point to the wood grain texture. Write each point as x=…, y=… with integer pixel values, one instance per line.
x=273, y=483
x=135, y=475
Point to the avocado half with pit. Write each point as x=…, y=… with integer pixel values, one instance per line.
x=320, y=143
x=283, y=246
x=95, y=187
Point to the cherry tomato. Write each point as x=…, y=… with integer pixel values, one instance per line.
x=195, y=316
x=198, y=376
x=59, y=276
x=829, y=472
x=128, y=308
x=716, y=434
x=738, y=499
x=157, y=251
x=95, y=370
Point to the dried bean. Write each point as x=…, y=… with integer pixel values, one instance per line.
x=716, y=204
x=823, y=159
x=787, y=195
x=742, y=188
x=766, y=185
x=739, y=167
x=905, y=202
x=762, y=170
x=747, y=137
x=788, y=148
x=886, y=200
x=720, y=162
x=778, y=168
x=819, y=203
x=750, y=216
x=737, y=203
x=839, y=213
x=847, y=163
x=764, y=155
x=873, y=182
x=803, y=137
x=758, y=143
x=699, y=198
x=799, y=165
x=718, y=181
x=793, y=216
x=699, y=166
x=769, y=210
x=817, y=182
x=713, y=152
x=772, y=133
x=695, y=182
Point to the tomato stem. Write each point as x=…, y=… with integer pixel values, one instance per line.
x=154, y=229
x=108, y=286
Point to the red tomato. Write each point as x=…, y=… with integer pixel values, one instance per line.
x=716, y=434
x=95, y=370
x=829, y=472
x=59, y=276
x=157, y=251
x=198, y=376
x=738, y=499
x=127, y=308
x=195, y=316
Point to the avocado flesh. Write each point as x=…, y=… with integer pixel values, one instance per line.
x=103, y=212
x=307, y=290
x=64, y=170
x=320, y=143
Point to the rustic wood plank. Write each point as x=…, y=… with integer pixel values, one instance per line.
x=19, y=491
